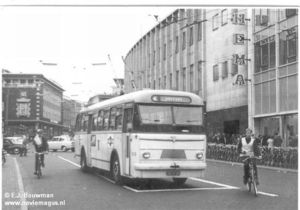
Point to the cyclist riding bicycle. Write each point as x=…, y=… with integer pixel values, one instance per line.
x=248, y=146
x=41, y=145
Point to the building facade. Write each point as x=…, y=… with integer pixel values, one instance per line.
x=31, y=101
x=227, y=57
x=70, y=110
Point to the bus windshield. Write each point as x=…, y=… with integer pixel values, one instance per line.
x=169, y=118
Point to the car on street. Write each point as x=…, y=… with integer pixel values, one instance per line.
x=11, y=147
x=16, y=139
x=63, y=143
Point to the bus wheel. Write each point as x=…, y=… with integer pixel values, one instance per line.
x=115, y=169
x=179, y=181
x=83, y=165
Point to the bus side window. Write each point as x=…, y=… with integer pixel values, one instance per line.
x=127, y=126
x=82, y=123
x=100, y=121
x=95, y=122
x=78, y=122
x=85, y=122
x=119, y=119
x=113, y=112
x=105, y=119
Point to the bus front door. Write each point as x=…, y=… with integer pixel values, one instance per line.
x=127, y=129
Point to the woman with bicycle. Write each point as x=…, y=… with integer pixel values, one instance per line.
x=248, y=146
x=41, y=145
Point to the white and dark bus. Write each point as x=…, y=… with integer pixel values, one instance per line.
x=145, y=134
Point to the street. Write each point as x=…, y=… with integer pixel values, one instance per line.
x=221, y=188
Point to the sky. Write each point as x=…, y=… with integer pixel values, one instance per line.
x=74, y=38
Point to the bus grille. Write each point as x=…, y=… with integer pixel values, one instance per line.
x=173, y=154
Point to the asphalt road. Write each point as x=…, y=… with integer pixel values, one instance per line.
x=221, y=188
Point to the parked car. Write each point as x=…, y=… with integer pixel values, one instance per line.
x=16, y=139
x=63, y=143
x=10, y=147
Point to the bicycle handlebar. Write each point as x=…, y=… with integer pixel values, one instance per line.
x=40, y=153
x=258, y=158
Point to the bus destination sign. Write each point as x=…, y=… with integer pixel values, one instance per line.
x=174, y=99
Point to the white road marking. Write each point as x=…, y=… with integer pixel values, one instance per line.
x=269, y=194
x=175, y=190
x=69, y=161
x=224, y=187
x=215, y=183
x=21, y=186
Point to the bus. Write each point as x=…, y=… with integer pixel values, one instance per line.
x=146, y=134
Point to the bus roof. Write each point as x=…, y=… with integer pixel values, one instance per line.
x=146, y=96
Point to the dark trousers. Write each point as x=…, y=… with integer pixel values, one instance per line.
x=23, y=151
x=36, y=160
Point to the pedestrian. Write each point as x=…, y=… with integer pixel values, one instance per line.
x=277, y=140
x=41, y=145
x=233, y=139
x=270, y=142
x=222, y=139
x=24, y=146
x=264, y=140
x=217, y=138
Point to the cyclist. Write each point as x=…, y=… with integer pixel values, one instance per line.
x=248, y=146
x=41, y=145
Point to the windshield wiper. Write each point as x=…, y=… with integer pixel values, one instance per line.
x=156, y=120
x=193, y=120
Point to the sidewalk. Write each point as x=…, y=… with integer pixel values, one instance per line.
x=11, y=183
x=258, y=166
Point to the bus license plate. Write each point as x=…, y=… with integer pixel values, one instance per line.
x=173, y=172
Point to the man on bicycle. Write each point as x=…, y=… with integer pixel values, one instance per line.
x=248, y=146
x=41, y=145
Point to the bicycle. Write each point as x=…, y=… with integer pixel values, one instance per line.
x=39, y=164
x=251, y=179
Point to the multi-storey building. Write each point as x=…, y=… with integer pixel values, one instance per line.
x=70, y=110
x=242, y=62
x=31, y=101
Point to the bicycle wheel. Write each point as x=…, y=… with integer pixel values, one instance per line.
x=254, y=184
x=39, y=172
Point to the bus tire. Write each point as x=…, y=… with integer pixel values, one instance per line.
x=179, y=181
x=83, y=165
x=115, y=170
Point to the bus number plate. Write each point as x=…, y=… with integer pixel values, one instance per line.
x=173, y=172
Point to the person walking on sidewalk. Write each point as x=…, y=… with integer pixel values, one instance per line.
x=248, y=147
x=24, y=146
x=41, y=145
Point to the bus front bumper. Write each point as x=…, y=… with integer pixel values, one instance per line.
x=167, y=166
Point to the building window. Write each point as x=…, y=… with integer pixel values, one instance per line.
x=215, y=22
x=215, y=73
x=177, y=45
x=165, y=51
x=199, y=75
x=171, y=48
x=171, y=87
x=154, y=85
x=191, y=36
x=265, y=54
x=199, y=31
x=158, y=54
x=165, y=82
x=192, y=78
x=23, y=109
x=224, y=16
x=288, y=46
x=234, y=69
x=149, y=59
x=184, y=79
x=159, y=84
x=225, y=69
x=177, y=80
x=183, y=41
x=153, y=57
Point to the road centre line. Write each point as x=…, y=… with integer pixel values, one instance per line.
x=21, y=186
x=69, y=161
x=215, y=183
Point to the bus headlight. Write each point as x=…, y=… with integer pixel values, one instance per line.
x=146, y=155
x=199, y=155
